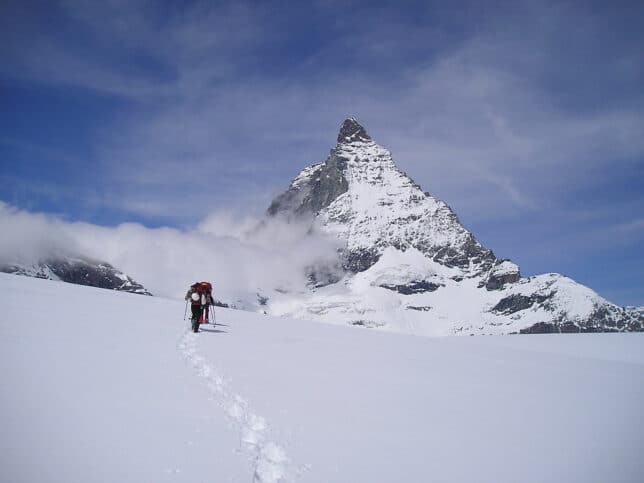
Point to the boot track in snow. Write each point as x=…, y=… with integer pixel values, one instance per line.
x=271, y=464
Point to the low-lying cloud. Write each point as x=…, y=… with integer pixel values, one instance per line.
x=29, y=237
x=240, y=256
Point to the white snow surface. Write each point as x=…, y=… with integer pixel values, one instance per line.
x=505, y=267
x=102, y=386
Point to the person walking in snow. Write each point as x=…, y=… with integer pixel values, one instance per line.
x=206, y=289
x=200, y=296
x=198, y=301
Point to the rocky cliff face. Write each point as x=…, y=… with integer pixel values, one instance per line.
x=411, y=266
x=82, y=271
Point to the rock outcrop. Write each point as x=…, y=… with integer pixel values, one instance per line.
x=79, y=270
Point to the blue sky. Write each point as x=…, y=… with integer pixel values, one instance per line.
x=526, y=117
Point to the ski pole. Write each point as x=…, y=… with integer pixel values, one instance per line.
x=185, y=312
x=214, y=317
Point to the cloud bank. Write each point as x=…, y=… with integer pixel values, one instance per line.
x=239, y=256
x=29, y=237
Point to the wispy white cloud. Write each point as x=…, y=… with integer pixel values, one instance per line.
x=634, y=227
x=241, y=256
x=27, y=237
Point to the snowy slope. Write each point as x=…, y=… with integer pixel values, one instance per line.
x=410, y=266
x=104, y=386
x=410, y=293
x=77, y=269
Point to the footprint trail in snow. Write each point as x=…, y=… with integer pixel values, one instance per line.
x=271, y=464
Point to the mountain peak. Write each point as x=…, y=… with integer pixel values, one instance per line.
x=351, y=130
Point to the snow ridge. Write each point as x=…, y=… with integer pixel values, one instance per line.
x=270, y=462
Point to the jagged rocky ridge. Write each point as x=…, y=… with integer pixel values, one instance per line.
x=78, y=270
x=409, y=264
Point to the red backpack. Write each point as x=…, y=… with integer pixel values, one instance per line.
x=202, y=288
x=206, y=289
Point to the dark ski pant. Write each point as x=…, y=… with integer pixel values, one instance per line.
x=196, y=314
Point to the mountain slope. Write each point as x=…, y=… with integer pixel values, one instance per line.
x=111, y=387
x=78, y=270
x=411, y=266
x=361, y=196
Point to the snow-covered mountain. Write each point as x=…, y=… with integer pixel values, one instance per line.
x=409, y=264
x=79, y=270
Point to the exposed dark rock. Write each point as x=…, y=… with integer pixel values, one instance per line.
x=316, y=192
x=515, y=303
x=497, y=282
x=261, y=299
x=471, y=250
x=541, y=328
x=370, y=324
x=569, y=327
x=612, y=318
x=605, y=318
x=351, y=130
x=424, y=308
x=498, y=277
x=360, y=260
x=81, y=271
x=419, y=286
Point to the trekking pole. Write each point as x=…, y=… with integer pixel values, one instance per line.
x=212, y=309
x=185, y=312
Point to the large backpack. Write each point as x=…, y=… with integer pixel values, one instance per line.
x=206, y=288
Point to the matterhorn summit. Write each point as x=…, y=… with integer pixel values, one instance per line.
x=408, y=263
x=361, y=196
x=352, y=131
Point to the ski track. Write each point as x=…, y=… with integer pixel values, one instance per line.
x=271, y=464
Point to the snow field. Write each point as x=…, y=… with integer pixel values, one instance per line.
x=100, y=386
x=270, y=461
x=94, y=390
x=363, y=405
